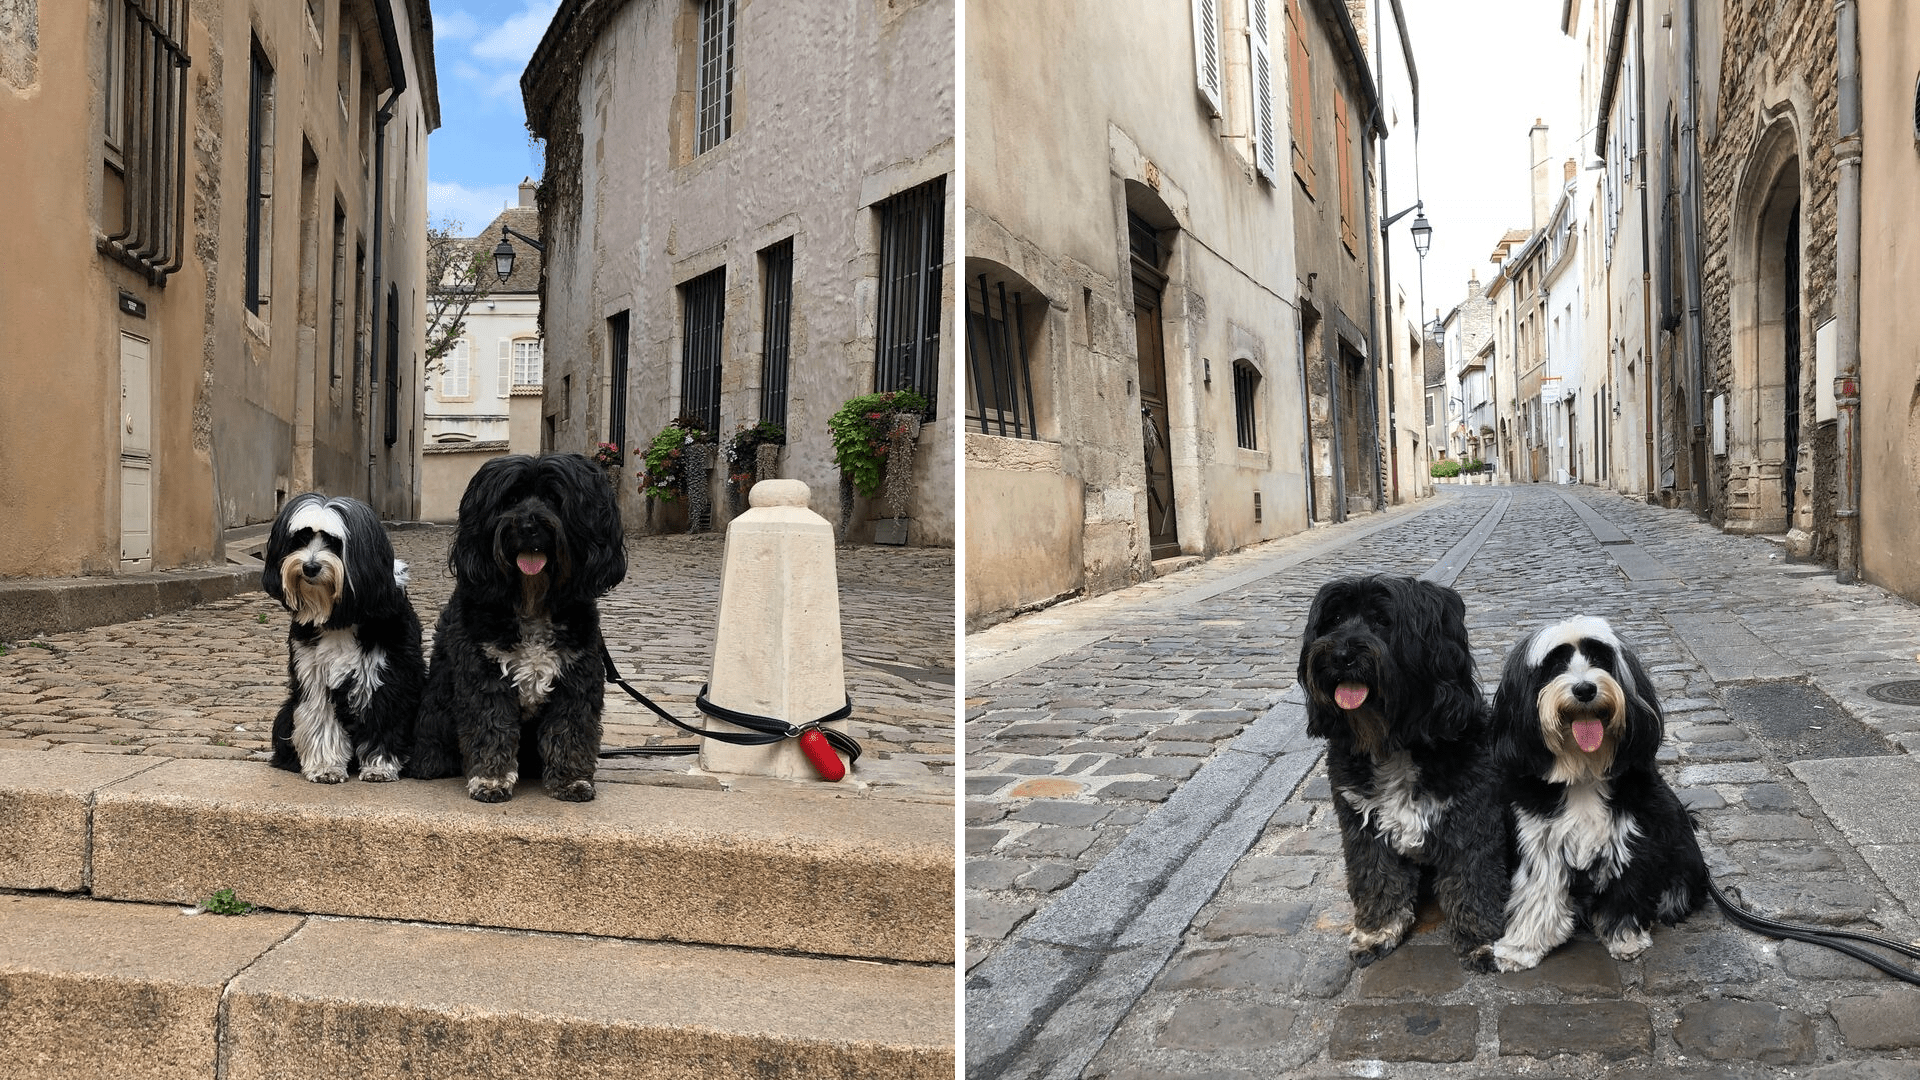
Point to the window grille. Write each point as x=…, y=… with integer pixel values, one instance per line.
x=703, y=304
x=393, y=365
x=776, y=330
x=715, y=94
x=146, y=120
x=336, y=346
x=1000, y=383
x=259, y=178
x=907, y=337
x=1246, y=387
x=617, y=400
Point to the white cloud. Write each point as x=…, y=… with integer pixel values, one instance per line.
x=472, y=207
x=514, y=40
x=454, y=25
x=505, y=85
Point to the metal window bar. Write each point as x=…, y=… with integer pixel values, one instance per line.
x=617, y=399
x=256, y=118
x=715, y=105
x=393, y=365
x=907, y=337
x=153, y=58
x=704, y=307
x=1002, y=380
x=1246, y=382
x=776, y=332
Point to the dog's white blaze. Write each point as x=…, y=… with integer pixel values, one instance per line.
x=1571, y=632
x=1587, y=834
x=1396, y=807
x=319, y=517
x=323, y=666
x=532, y=666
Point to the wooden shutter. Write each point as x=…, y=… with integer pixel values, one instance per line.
x=506, y=367
x=1259, y=30
x=1343, y=171
x=1206, y=51
x=1300, y=97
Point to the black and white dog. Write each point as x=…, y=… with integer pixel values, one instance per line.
x=1390, y=685
x=354, y=665
x=517, y=683
x=1600, y=836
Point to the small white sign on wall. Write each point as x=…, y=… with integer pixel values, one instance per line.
x=1719, y=423
x=1826, y=339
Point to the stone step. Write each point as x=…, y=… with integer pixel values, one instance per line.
x=797, y=870
x=97, y=988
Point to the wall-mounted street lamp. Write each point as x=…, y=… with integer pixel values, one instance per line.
x=1421, y=230
x=503, y=253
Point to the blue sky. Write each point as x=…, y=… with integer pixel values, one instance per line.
x=475, y=161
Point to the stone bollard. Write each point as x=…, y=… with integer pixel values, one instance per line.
x=776, y=649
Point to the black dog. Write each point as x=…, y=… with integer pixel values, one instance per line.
x=1390, y=686
x=1599, y=835
x=354, y=666
x=517, y=683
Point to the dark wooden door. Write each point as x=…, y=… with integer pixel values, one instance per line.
x=1163, y=526
x=1790, y=393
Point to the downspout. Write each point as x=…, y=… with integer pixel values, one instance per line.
x=1374, y=359
x=1846, y=384
x=1647, y=363
x=374, y=411
x=1306, y=411
x=1690, y=253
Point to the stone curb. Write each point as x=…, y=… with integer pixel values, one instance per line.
x=37, y=606
x=110, y=989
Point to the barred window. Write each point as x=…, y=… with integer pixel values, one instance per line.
x=1246, y=390
x=907, y=324
x=776, y=268
x=999, y=380
x=703, y=303
x=714, y=96
x=259, y=181
x=146, y=126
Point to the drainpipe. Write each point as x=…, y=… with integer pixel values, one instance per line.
x=1646, y=265
x=1690, y=253
x=1306, y=411
x=1846, y=385
x=374, y=411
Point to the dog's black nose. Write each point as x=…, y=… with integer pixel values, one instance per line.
x=311, y=570
x=1584, y=691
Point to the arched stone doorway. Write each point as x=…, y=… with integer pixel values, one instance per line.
x=1768, y=335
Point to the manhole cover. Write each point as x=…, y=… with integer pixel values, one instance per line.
x=1904, y=692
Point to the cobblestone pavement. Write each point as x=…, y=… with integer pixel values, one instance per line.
x=1153, y=878
x=207, y=681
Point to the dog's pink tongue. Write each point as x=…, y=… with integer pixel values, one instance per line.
x=1588, y=734
x=531, y=563
x=1350, y=695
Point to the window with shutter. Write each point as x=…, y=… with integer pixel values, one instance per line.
x=1259, y=29
x=504, y=381
x=1343, y=172
x=1206, y=51
x=455, y=381
x=1300, y=97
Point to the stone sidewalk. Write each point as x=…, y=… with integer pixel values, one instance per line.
x=1154, y=885
x=205, y=682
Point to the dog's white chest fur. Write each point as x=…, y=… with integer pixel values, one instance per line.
x=327, y=663
x=1587, y=834
x=1396, y=806
x=533, y=665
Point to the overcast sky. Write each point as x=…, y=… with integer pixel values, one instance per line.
x=1487, y=70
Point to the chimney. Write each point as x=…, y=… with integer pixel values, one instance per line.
x=1542, y=194
x=527, y=188
x=1569, y=171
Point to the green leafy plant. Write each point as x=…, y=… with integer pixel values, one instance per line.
x=665, y=477
x=861, y=430
x=225, y=902
x=1446, y=467
x=262, y=617
x=747, y=440
x=605, y=454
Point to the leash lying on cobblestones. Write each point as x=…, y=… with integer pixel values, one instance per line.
x=1773, y=928
x=816, y=741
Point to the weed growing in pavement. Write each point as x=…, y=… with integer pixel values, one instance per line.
x=41, y=645
x=263, y=618
x=225, y=903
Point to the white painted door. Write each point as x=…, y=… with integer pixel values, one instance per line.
x=136, y=454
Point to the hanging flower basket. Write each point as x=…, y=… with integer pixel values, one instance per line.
x=679, y=468
x=753, y=455
x=868, y=432
x=607, y=456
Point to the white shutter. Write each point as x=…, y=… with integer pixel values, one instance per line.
x=1260, y=33
x=506, y=367
x=1206, y=50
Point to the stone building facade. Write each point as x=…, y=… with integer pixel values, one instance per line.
x=484, y=400
x=222, y=304
x=749, y=215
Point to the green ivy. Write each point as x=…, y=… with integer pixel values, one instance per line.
x=861, y=431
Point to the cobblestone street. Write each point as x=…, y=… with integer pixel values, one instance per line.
x=1154, y=885
x=206, y=682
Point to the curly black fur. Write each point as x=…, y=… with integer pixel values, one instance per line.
x=1410, y=765
x=1598, y=835
x=516, y=684
x=354, y=663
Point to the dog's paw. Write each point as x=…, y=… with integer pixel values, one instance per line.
x=573, y=791
x=490, y=789
x=331, y=775
x=1514, y=958
x=1480, y=959
x=380, y=771
x=1629, y=944
x=1366, y=946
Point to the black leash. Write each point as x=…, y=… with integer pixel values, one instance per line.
x=1773, y=928
x=761, y=730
